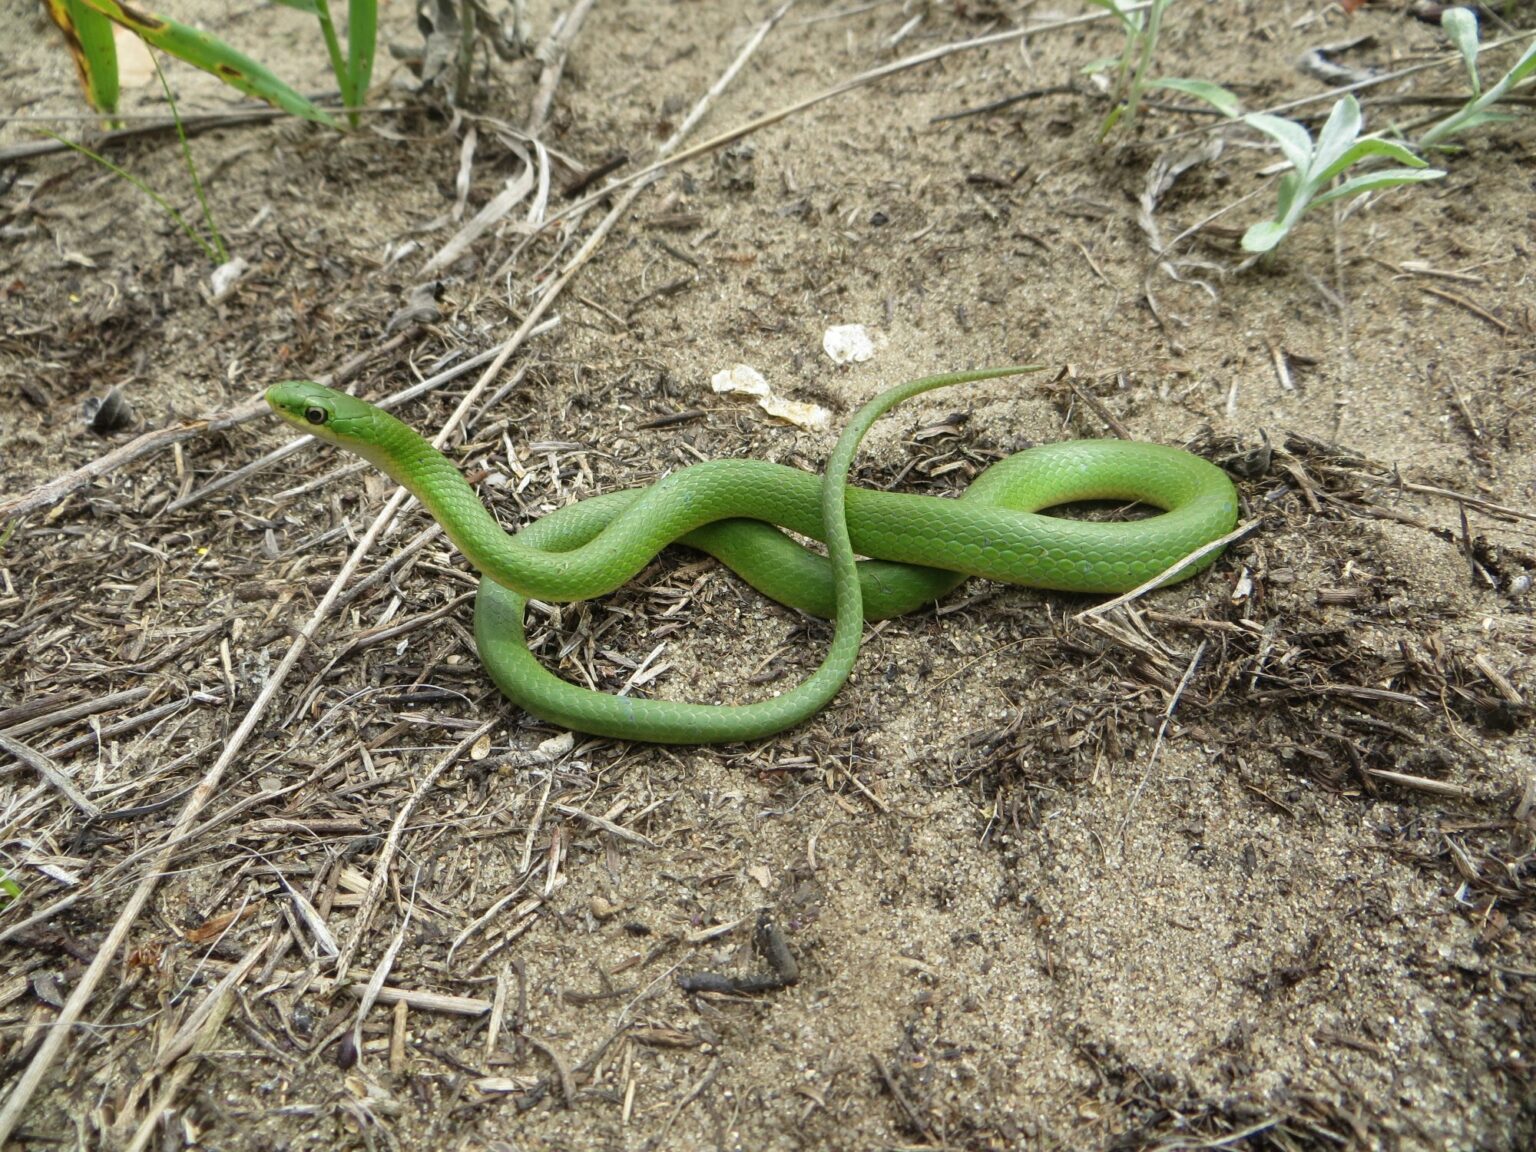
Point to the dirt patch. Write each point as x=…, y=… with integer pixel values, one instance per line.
x=1248, y=865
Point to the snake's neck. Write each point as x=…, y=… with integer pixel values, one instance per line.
x=441, y=489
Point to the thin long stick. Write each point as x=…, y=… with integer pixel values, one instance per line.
x=1157, y=744
x=59, y=487
x=1177, y=566
x=707, y=100
x=554, y=53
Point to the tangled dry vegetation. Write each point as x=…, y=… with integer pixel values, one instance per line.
x=1248, y=864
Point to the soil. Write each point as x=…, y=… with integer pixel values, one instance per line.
x=1247, y=864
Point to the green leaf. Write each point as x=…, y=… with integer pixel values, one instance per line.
x=1340, y=131
x=1371, y=181
x=1286, y=203
x=1293, y=139
x=333, y=50
x=211, y=55
x=1476, y=111
x=1264, y=235
x=1111, y=120
x=89, y=36
x=1215, y=95
x=1460, y=25
x=362, y=37
x=1100, y=65
x=1389, y=149
x=1523, y=67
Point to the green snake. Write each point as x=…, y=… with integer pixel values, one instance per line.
x=919, y=547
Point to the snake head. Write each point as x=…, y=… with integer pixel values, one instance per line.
x=350, y=423
x=320, y=411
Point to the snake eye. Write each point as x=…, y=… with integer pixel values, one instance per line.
x=315, y=414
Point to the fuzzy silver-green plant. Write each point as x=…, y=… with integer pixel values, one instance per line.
x=1142, y=25
x=1460, y=25
x=1315, y=166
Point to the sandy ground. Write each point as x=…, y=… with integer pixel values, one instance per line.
x=1242, y=867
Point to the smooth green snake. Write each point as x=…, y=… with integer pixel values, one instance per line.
x=919, y=546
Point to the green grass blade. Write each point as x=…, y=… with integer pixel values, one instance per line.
x=362, y=42
x=322, y=11
x=89, y=36
x=186, y=155
x=1111, y=120
x=165, y=205
x=1150, y=25
x=211, y=55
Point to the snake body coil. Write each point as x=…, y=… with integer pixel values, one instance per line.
x=920, y=546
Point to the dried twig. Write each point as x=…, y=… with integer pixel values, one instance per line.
x=156, y=124
x=386, y=858
x=567, y=1090
x=1419, y=783
x=553, y=53
x=49, y=771
x=424, y=1001
x=703, y=104
x=1098, y=406
x=40, y=715
x=1178, y=565
x=1157, y=743
x=382, y=969
x=608, y=826
x=1470, y=305
x=900, y=1097
x=51, y=492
